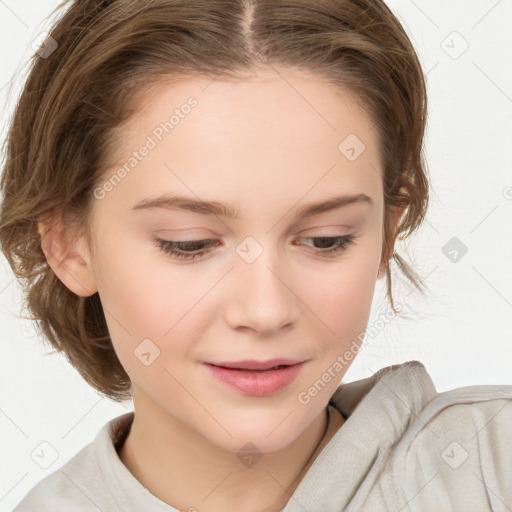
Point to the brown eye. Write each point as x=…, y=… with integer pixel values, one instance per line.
x=341, y=243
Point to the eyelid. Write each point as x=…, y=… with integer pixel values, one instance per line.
x=328, y=226
x=213, y=238
x=168, y=246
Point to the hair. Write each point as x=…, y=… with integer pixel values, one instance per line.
x=74, y=101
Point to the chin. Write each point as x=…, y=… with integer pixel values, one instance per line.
x=267, y=436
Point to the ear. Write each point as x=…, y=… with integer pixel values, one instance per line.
x=68, y=256
x=396, y=213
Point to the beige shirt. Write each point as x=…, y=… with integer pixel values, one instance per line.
x=402, y=447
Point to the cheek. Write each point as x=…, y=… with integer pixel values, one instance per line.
x=155, y=311
x=343, y=299
x=346, y=309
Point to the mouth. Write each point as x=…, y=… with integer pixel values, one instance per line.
x=264, y=378
x=253, y=365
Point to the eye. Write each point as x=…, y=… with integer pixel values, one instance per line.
x=192, y=249
x=184, y=250
x=341, y=243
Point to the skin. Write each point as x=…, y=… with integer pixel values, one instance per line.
x=265, y=148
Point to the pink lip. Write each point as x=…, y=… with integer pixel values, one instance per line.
x=256, y=365
x=256, y=382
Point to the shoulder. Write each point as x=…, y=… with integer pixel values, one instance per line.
x=458, y=447
x=467, y=415
x=75, y=486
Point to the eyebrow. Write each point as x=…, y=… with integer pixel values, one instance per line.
x=175, y=202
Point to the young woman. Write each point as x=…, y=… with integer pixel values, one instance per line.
x=201, y=196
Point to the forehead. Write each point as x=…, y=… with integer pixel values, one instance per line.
x=277, y=133
x=276, y=101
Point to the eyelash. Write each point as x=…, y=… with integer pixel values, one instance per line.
x=168, y=246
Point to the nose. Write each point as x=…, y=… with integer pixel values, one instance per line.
x=263, y=297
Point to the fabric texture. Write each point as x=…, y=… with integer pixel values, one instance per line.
x=403, y=447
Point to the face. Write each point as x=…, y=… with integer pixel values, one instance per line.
x=267, y=283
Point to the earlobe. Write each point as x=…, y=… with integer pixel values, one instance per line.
x=68, y=257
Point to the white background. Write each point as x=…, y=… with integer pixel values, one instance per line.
x=461, y=333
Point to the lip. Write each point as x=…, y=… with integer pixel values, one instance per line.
x=252, y=364
x=254, y=382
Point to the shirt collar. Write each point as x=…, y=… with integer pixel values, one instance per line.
x=379, y=410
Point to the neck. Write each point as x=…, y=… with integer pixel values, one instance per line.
x=206, y=477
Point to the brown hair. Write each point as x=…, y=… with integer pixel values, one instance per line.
x=109, y=51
